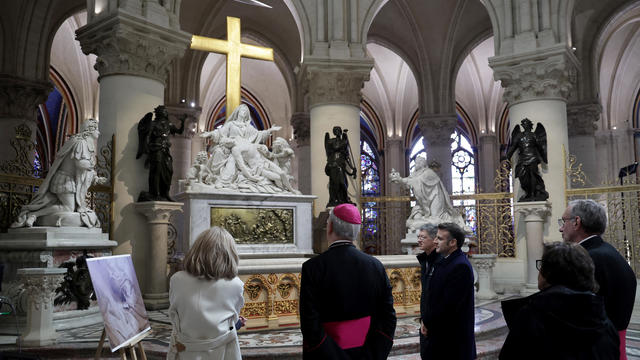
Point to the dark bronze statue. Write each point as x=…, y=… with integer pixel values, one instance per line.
x=532, y=150
x=339, y=164
x=154, y=141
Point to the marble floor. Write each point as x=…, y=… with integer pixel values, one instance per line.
x=80, y=343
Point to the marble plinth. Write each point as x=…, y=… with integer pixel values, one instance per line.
x=48, y=248
x=409, y=244
x=158, y=214
x=534, y=214
x=196, y=217
x=484, y=264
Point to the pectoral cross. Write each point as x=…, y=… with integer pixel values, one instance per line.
x=234, y=49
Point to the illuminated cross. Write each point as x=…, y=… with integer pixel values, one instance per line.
x=234, y=50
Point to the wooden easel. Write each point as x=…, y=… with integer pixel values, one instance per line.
x=134, y=343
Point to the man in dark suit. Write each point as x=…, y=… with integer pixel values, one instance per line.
x=346, y=306
x=583, y=222
x=449, y=318
x=427, y=243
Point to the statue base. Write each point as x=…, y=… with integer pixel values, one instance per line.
x=63, y=219
x=409, y=244
x=48, y=247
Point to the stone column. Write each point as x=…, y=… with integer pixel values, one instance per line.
x=488, y=161
x=135, y=46
x=394, y=157
x=19, y=100
x=156, y=295
x=536, y=88
x=39, y=290
x=334, y=89
x=484, y=264
x=581, y=122
x=437, y=130
x=301, y=132
x=534, y=215
x=536, y=67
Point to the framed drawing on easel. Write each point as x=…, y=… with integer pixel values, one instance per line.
x=119, y=299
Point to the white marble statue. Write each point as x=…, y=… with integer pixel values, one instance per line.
x=239, y=161
x=433, y=204
x=60, y=200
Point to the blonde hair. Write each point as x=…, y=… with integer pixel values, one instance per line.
x=213, y=255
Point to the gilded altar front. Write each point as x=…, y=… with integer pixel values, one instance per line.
x=272, y=298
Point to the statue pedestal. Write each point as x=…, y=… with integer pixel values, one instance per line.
x=48, y=248
x=409, y=244
x=40, y=288
x=320, y=244
x=158, y=214
x=484, y=264
x=534, y=214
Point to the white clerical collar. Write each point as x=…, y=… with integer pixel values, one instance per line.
x=587, y=238
x=341, y=242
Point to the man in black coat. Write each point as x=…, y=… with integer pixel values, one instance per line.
x=346, y=305
x=427, y=243
x=583, y=222
x=449, y=317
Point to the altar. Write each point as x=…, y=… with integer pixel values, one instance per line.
x=274, y=225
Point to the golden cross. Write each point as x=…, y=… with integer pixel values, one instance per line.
x=234, y=49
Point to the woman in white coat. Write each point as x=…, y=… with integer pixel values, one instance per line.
x=206, y=299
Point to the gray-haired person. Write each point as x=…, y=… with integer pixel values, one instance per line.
x=427, y=258
x=583, y=222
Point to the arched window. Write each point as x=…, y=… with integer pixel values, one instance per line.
x=370, y=186
x=463, y=180
x=462, y=162
x=370, y=174
x=417, y=150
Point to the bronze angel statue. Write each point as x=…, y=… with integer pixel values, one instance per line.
x=153, y=136
x=339, y=164
x=532, y=150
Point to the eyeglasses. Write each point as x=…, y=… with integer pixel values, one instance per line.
x=421, y=237
x=539, y=264
x=562, y=221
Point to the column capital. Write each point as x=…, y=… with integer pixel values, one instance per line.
x=533, y=211
x=301, y=122
x=488, y=136
x=484, y=261
x=19, y=98
x=330, y=81
x=394, y=141
x=158, y=212
x=131, y=45
x=437, y=128
x=582, y=118
x=543, y=74
x=40, y=285
x=192, y=114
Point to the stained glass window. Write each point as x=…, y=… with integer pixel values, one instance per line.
x=463, y=176
x=463, y=180
x=370, y=180
x=369, y=170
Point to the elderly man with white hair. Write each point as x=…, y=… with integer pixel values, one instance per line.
x=583, y=222
x=346, y=306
